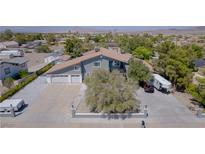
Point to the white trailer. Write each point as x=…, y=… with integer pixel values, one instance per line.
x=161, y=83
x=15, y=53
x=15, y=103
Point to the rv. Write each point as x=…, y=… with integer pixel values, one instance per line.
x=15, y=53
x=8, y=103
x=161, y=83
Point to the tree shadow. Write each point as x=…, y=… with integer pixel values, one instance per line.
x=117, y=116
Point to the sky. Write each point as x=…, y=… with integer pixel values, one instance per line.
x=62, y=29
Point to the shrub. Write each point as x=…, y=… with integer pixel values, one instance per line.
x=8, y=82
x=44, y=69
x=22, y=74
x=43, y=49
x=142, y=53
x=15, y=89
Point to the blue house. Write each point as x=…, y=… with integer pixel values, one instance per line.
x=75, y=70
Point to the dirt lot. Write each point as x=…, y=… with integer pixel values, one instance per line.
x=35, y=58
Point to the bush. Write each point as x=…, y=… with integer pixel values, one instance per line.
x=22, y=74
x=15, y=89
x=43, y=49
x=8, y=82
x=44, y=69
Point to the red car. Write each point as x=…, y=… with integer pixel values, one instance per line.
x=149, y=88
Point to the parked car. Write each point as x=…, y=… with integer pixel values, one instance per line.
x=148, y=87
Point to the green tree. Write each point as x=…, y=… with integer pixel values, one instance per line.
x=142, y=53
x=43, y=49
x=22, y=74
x=137, y=71
x=21, y=38
x=198, y=91
x=110, y=93
x=175, y=64
x=73, y=47
x=7, y=35
x=51, y=39
x=194, y=50
x=165, y=47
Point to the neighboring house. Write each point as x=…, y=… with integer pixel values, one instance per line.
x=9, y=44
x=10, y=67
x=75, y=70
x=34, y=44
x=5, y=56
x=15, y=53
x=199, y=63
x=56, y=56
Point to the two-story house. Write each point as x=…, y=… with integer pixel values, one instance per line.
x=75, y=70
x=11, y=67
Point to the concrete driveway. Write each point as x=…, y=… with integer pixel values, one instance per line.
x=166, y=111
x=48, y=105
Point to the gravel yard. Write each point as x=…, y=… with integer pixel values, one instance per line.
x=35, y=59
x=166, y=111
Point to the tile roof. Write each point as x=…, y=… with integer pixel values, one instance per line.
x=91, y=54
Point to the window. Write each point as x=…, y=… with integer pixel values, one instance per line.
x=76, y=68
x=97, y=64
x=7, y=71
x=116, y=63
x=23, y=65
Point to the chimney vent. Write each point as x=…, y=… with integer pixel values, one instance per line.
x=97, y=49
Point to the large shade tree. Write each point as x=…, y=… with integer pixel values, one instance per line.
x=73, y=47
x=110, y=93
x=137, y=71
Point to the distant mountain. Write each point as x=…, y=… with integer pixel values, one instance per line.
x=64, y=29
x=87, y=29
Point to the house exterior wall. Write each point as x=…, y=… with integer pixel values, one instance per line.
x=69, y=70
x=14, y=69
x=87, y=66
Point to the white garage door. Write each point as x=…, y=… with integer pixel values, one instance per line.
x=60, y=79
x=76, y=78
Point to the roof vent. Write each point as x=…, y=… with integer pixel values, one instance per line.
x=97, y=49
